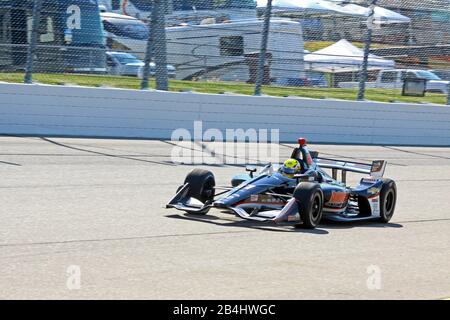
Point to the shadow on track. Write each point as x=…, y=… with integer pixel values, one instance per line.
x=264, y=226
x=417, y=153
x=328, y=224
x=10, y=163
x=166, y=163
x=221, y=157
x=245, y=224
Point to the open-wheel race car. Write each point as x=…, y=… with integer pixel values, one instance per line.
x=299, y=193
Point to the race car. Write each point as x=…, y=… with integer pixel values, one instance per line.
x=301, y=199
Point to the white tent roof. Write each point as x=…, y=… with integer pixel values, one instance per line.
x=307, y=6
x=342, y=56
x=381, y=15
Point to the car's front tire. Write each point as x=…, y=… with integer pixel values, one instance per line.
x=309, y=198
x=201, y=185
x=388, y=199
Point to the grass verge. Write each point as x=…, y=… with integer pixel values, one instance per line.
x=382, y=95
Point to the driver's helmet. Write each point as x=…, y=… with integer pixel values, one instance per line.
x=290, y=168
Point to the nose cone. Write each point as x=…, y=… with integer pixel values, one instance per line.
x=219, y=204
x=254, y=186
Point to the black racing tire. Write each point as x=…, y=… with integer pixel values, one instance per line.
x=201, y=185
x=236, y=182
x=310, y=199
x=388, y=200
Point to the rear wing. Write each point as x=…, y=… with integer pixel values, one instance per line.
x=375, y=169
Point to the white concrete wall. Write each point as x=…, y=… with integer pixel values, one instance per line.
x=98, y=112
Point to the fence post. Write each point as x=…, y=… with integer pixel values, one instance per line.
x=263, y=50
x=448, y=94
x=367, y=43
x=148, y=58
x=160, y=48
x=33, y=41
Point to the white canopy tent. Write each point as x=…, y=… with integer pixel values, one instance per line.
x=381, y=15
x=307, y=6
x=343, y=56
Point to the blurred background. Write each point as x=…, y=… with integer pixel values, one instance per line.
x=385, y=50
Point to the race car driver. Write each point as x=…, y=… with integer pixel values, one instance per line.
x=290, y=168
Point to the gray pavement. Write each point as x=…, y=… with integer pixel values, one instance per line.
x=98, y=205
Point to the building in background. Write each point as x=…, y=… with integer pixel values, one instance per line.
x=70, y=36
x=430, y=19
x=429, y=32
x=422, y=43
x=186, y=11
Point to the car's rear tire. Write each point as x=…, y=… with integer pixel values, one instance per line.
x=201, y=185
x=309, y=198
x=388, y=199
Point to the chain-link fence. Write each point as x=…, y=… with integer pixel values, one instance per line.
x=385, y=50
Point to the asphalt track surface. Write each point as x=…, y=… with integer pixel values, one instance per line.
x=98, y=205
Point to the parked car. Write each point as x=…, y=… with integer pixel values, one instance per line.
x=394, y=78
x=126, y=64
x=123, y=64
x=171, y=71
x=443, y=74
x=314, y=79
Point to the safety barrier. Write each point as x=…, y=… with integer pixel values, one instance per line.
x=46, y=110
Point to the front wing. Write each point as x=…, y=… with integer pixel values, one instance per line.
x=181, y=201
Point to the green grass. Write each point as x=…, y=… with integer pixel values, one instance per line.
x=382, y=95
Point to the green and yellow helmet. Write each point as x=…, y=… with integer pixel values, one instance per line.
x=290, y=168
